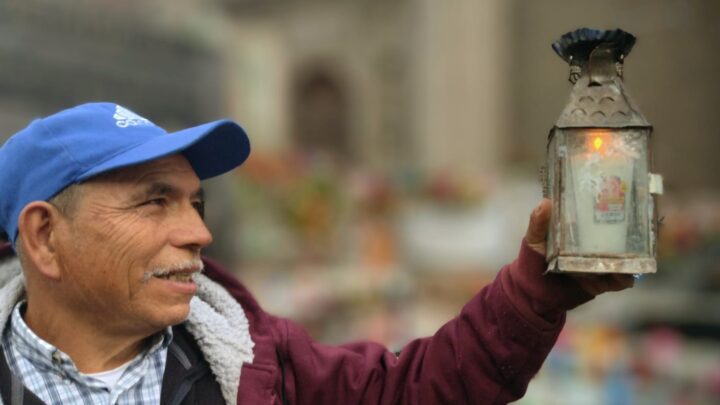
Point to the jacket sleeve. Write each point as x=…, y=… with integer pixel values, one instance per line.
x=486, y=355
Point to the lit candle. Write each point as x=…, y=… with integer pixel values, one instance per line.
x=602, y=179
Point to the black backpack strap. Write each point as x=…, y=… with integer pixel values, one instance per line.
x=12, y=390
x=17, y=391
x=5, y=379
x=188, y=378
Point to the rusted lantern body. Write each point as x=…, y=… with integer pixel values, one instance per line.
x=598, y=170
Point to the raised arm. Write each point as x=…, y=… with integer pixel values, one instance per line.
x=486, y=355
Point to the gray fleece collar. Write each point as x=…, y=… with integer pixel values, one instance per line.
x=221, y=329
x=216, y=321
x=12, y=288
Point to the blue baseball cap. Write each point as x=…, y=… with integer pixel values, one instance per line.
x=76, y=144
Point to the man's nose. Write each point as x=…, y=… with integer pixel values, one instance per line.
x=190, y=230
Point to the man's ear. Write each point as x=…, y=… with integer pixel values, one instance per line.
x=36, y=224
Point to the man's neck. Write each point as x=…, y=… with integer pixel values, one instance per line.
x=91, y=348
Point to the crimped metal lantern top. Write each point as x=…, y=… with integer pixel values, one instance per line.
x=598, y=97
x=575, y=47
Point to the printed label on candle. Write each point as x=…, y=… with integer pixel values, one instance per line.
x=610, y=202
x=601, y=189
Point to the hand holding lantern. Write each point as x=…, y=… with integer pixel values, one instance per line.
x=593, y=284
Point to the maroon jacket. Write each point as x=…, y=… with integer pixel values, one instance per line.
x=486, y=355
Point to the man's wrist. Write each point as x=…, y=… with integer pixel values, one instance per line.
x=539, y=295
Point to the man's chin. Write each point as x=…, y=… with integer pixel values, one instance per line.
x=175, y=315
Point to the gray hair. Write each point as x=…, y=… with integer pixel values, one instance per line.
x=66, y=200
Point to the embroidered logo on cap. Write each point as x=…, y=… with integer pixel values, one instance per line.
x=125, y=118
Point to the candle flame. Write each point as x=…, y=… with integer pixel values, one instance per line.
x=597, y=143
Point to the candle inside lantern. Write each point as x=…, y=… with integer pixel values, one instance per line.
x=602, y=179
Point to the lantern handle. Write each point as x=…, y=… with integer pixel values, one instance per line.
x=604, y=64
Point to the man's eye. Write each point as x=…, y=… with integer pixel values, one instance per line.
x=200, y=208
x=156, y=201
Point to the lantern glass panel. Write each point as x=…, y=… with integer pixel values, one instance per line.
x=552, y=188
x=605, y=192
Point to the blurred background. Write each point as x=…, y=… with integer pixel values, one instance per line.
x=396, y=149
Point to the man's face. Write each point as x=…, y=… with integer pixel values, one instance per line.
x=126, y=225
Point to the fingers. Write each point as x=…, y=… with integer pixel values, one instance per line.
x=622, y=281
x=538, y=226
x=598, y=284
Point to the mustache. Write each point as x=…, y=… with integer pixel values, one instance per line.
x=195, y=266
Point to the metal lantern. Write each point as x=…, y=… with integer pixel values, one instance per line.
x=598, y=165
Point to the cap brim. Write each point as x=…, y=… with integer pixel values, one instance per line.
x=212, y=149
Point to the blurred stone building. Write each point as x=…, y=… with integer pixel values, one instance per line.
x=466, y=86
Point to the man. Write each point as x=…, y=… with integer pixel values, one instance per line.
x=105, y=302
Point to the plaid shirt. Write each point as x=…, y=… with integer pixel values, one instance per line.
x=52, y=376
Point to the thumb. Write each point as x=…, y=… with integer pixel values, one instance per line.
x=538, y=226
